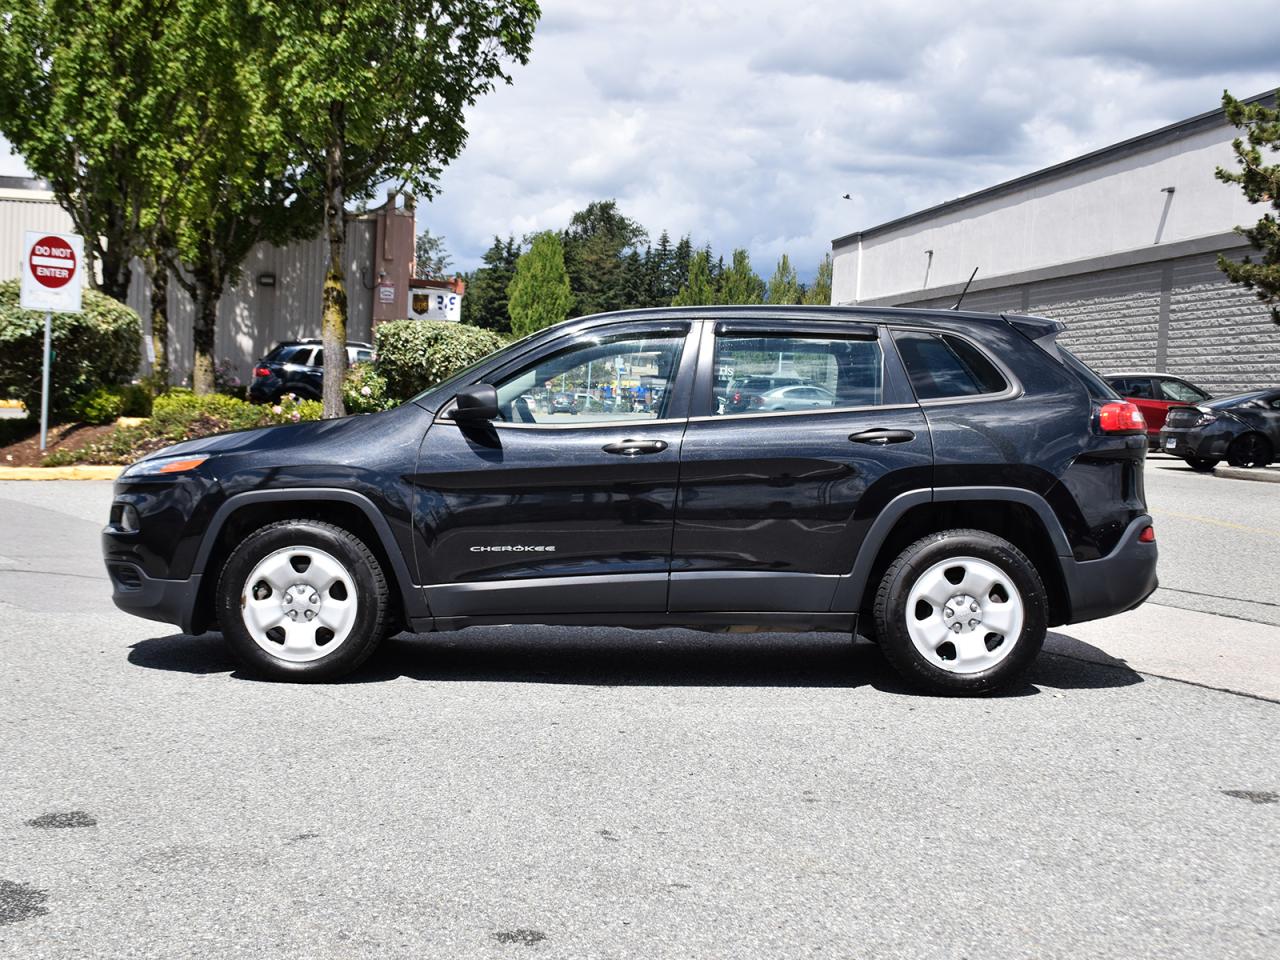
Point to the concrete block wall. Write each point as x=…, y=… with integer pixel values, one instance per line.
x=1181, y=316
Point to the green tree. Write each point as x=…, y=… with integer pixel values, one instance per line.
x=485, y=304
x=659, y=268
x=700, y=290
x=1259, y=178
x=540, y=295
x=784, y=287
x=678, y=272
x=819, y=292
x=431, y=259
x=377, y=92
x=596, y=244
x=739, y=283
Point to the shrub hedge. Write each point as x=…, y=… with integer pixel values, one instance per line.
x=97, y=347
x=414, y=354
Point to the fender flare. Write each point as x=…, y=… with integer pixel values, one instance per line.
x=852, y=586
x=410, y=592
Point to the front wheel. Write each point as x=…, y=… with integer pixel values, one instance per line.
x=1201, y=464
x=1251, y=450
x=961, y=612
x=302, y=600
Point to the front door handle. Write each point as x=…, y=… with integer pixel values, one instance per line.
x=635, y=448
x=882, y=437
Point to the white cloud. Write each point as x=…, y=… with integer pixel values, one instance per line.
x=743, y=123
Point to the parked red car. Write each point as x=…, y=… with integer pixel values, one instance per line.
x=1155, y=394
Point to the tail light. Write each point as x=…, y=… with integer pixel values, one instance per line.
x=261, y=372
x=1148, y=535
x=737, y=397
x=1121, y=417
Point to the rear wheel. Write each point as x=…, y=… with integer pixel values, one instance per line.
x=961, y=612
x=1251, y=450
x=1201, y=464
x=302, y=600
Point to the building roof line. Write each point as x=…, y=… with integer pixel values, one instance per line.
x=1144, y=141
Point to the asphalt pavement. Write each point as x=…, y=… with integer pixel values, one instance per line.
x=609, y=793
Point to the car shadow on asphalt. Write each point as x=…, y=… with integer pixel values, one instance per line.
x=617, y=657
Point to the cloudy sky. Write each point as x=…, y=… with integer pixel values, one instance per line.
x=743, y=123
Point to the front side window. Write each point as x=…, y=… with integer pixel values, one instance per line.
x=1179, y=392
x=623, y=378
x=946, y=367
x=778, y=373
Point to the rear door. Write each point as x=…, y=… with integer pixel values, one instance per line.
x=773, y=505
x=553, y=511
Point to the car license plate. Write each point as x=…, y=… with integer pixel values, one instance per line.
x=1170, y=443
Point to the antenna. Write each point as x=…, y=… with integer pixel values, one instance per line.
x=966, y=288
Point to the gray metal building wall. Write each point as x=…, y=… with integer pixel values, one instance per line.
x=1180, y=315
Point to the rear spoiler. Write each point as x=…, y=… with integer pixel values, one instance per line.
x=1041, y=331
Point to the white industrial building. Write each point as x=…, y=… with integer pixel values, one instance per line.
x=1120, y=243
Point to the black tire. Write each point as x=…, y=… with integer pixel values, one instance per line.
x=924, y=555
x=1201, y=464
x=1249, y=450
x=372, y=619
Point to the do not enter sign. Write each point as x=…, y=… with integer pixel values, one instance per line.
x=52, y=272
x=52, y=262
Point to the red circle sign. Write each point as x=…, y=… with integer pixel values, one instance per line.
x=53, y=262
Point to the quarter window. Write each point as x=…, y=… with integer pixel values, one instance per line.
x=776, y=373
x=945, y=367
x=615, y=379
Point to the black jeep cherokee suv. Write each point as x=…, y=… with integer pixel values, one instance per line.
x=969, y=485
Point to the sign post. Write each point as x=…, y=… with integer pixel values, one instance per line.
x=52, y=281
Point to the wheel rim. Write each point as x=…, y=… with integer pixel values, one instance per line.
x=1250, y=451
x=964, y=615
x=299, y=604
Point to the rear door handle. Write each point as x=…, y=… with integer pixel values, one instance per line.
x=635, y=448
x=882, y=437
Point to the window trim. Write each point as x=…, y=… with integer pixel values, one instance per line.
x=704, y=388
x=1012, y=391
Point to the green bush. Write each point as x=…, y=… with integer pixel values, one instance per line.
x=414, y=354
x=137, y=400
x=365, y=390
x=96, y=347
x=181, y=415
x=100, y=405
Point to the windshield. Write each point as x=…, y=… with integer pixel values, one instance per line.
x=1238, y=399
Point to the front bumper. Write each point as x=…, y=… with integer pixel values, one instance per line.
x=1120, y=581
x=168, y=601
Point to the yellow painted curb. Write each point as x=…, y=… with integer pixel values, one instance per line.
x=12, y=405
x=60, y=473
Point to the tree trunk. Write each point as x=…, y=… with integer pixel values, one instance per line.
x=334, y=318
x=202, y=333
x=159, y=274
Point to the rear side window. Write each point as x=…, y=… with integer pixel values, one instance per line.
x=943, y=367
x=1094, y=384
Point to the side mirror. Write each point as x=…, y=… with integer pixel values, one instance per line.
x=476, y=403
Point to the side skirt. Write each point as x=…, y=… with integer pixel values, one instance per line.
x=719, y=622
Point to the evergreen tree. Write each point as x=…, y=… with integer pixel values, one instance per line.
x=596, y=243
x=660, y=271
x=739, y=283
x=1260, y=182
x=635, y=281
x=539, y=294
x=819, y=293
x=700, y=290
x=485, y=304
x=681, y=257
x=784, y=288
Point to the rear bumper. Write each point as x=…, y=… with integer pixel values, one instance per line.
x=1120, y=581
x=169, y=601
x=1196, y=442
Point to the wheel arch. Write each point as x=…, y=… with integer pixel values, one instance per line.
x=243, y=513
x=1022, y=517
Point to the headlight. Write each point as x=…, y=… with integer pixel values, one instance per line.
x=162, y=465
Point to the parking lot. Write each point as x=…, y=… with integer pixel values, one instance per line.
x=577, y=792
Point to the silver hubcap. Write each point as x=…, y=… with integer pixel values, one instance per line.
x=964, y=615
x=299, y=604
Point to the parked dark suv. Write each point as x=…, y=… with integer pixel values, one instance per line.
x=297, y=367
x=969, y=485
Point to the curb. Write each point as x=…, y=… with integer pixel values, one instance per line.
x=60, y=473
x=1257, y=474
x=11, y=405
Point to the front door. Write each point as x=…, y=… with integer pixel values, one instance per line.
x=570, y=491
x=777, y=492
